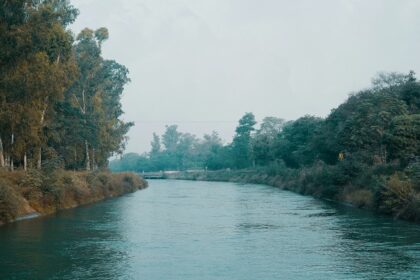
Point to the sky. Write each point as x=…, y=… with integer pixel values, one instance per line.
x=201, y=64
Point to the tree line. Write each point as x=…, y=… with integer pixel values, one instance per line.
x=378, y=125
x=59, y=98
x=366, y=152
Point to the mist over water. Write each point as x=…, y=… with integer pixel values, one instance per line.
x=201, y=230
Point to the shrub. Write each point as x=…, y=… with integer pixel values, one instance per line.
x=9, y=203
x=400, y=198
x=103, y=178
x=128, y=179
x=361, y=198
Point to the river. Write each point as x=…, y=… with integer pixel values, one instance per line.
x=205, y=230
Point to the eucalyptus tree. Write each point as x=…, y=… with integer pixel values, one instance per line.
x=171, y=137
x=94, y=100
x=241, y=145
x=111, y=133
x=36, y=67
x=264, y=140
x=156, y=146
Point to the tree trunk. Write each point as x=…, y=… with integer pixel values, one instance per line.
x=39, y=161
x=1, y=154
x=7, y=161
x=383, y=153
x=12, y=167
x=25, y=162
x=74, y=158
x=41, y=123
x=87, y=156
x=93, y=160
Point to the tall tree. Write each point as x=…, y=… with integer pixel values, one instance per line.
x=295, y=143
x=171, y=138
x=156, y=147
x=403, y=138
x=241, y=145
x=36, y=67
x=96, y=94
x=264, y=141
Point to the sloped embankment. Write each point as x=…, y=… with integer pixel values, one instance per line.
x=34, y=193
x=395, y=197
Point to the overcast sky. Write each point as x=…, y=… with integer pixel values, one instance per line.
x=202, y=64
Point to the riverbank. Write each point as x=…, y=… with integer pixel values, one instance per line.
x=189, y=230
x=34, y=193
x=395, y=197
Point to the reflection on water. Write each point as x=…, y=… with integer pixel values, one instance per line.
x=199, y=230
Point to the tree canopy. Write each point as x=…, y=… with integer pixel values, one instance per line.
x=378, y=125
x=59, y=98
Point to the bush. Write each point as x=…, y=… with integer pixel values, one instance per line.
x=400, y=198
x=48, y=191
x=128, y=179
x=360, y=198
x=276, y=168
x=9, y=203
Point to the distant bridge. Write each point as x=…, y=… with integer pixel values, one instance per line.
x=153, y=175
x=163, y=174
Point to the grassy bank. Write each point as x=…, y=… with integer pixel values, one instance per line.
x=40, y=193
x=378, y=189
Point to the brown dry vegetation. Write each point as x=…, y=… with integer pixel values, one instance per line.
x=396, y=195
x=401, y=198
x=24, y=193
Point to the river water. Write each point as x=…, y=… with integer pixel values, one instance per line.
x=202, y=230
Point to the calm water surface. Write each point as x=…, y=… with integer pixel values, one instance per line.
x=200, y=230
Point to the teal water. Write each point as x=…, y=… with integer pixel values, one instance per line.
x=202, y=230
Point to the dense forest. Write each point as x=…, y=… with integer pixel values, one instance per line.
x=367, y=148
x=59, y=98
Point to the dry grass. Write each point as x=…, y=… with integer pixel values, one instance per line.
x=398, y=197
x=361, y=198
x=24, y=192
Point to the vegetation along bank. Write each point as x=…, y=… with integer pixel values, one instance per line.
x=34, y=193
x=365, y=152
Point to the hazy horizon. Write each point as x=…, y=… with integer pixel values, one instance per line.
x=203, y=64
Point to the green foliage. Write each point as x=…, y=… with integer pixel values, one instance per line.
x=403, y=137
x=351, y=155
x=295, y=143
x=59, y=99
x=413, y=172
x=181, y=151
x=171, y=138
x=241, y=145
x=265, y=140
x=156, y=147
